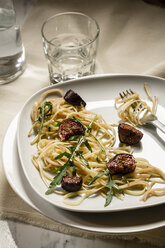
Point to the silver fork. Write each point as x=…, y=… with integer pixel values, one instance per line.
x=153, y=120
x=125, y=94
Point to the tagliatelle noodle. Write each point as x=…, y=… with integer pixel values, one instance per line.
x=131, y=108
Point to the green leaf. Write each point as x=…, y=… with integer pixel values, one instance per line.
x=125, y=179
x=57, y=179
x=40, y=110
x=115, y=186
x=110, y=192
x=45, y=111
x=109, y=196
x=66, y=154
x=75, y=138
x=39, y=119
x=71, y=148
x=79, y=153
x=100, y=174
x=101, y=150
x=58, y=124
x=90, y=124
x=111, y=185
x=76, y=118
x=97, y=158
x=87, y=145
x=54, y=126
x=57, y=170
x=73, y=169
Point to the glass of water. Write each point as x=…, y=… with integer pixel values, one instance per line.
x=12, y=55
x=70, y=43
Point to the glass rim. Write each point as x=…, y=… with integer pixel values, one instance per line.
x=71, y=13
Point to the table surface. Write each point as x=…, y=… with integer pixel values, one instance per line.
x=20, y=235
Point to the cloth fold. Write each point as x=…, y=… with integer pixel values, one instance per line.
x=132, y=41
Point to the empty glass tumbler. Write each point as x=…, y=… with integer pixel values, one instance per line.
x=12, y=55
x=70, y=44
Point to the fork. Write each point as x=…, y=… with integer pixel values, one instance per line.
x=152, y=119
x=125, y=94
x=155, y=122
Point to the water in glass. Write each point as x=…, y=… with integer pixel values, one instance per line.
x=12, y=56
x=70, y=57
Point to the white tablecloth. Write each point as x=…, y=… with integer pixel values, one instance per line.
x=132, y=40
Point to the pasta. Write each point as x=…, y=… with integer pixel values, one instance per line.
x=86, y=156
x=134, y=110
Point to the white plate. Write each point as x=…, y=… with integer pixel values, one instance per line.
x=99, y=93
x=105, y=223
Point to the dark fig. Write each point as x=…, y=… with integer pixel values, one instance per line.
x=128, y=134
x=71, y=184
x=70, y=127
x=74, y=99
x=122, y=163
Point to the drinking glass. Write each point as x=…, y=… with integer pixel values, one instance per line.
x=70, y=43
x=12, y=55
